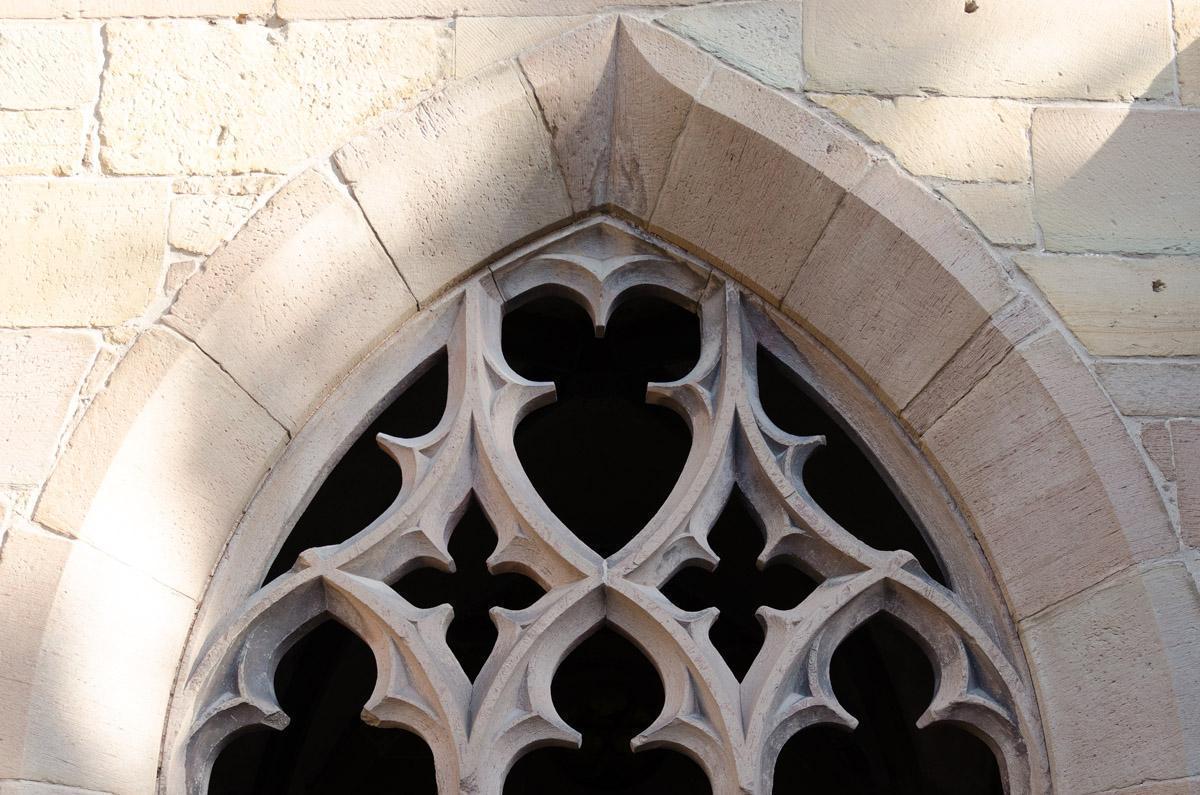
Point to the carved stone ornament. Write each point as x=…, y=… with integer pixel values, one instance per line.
x=477, y=730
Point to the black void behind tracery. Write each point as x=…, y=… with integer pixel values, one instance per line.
x=598, y=439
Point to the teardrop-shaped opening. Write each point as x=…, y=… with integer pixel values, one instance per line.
x=883, y=678
x=322, y=684
x=601, y=457
x=608, y=691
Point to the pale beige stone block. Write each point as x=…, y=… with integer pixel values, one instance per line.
x=173, y=8
x=1088, y=510
x=479, y=41
x=40, y=374
x=1091, y=49
x=1119, y=666
x=79, y=252
x=1156, y=439
x=987, y=347
x=201, y=223
x=1124, y=307
x=573, y=78
x=1164, y=389
x=463, y=175
x=168, y=409
x=658, y=78
x=948, y=137
x=41, y=141
x=90, y=652
x=1187, y=31
x=343, y=9
x=48, y=64
x=1002, y=211
x=298, y=298
x=754, y=180
x=1185, y=439
x=18, y=787
x=1114, y=179
x=268, y=97
x=760, y=39
x=897, y=284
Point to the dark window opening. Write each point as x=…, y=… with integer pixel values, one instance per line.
x=365, y=481
x=839, y=476
x=883, y=678
x=737, y=587
x=609, y=692
x=602, y=458
x=322, y=684
x=471, y=589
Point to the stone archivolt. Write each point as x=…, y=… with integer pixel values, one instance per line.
x=478, y=729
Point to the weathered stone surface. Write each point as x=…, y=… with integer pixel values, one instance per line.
x=476, y=157
x=173, y=8
x=201, y=223
x=269, y=97
x=229, y=185
x=341, y=9
x=987, y=348
x=480, y=41
x=760, y=39
x=897, y=283
x=1185, y=439
x=48, y=64
x=1019, y=48
x=40, y=374
x=658, y=78
x=573, y=77
x=41, y=141
x=168, y=409
x=1164, y=389
x=1115, y=179
x=948, y=137
x=299, y=297
x=1041, y=404
x=1117, y=662
x=1124, y=307
x=18, y=787
x=1187, y=31
x=754, y=180
x=90, y=652
x=1002, y=211
x=79, y=252
x=1182, y=786
x=1156, y=438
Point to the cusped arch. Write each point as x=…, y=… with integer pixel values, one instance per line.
x=617, y=117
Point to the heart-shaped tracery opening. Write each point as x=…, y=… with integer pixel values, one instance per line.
x=601, y=457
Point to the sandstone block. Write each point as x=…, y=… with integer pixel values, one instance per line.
x=1185, y=439
x=299, y=297
x=1002, y=211
x=897, y=284
x=1124, y=307
x=19, y=787
x=1118, y=662
x=173, y=8
x=269, y=97
x=1019, y=48
x=41, y=141
x=463, y=175
x=343, y=9
x=200, y=223
x=79, y=252
x=48, y=64
x=1165, y=389
x=948, y=137
x=1187, y=32
x=1114, y=179
x=1156, y=438
x=1086, y=511
x=760, y=39
x=754, y=180
x=479, y=41
x=168, y=409
x=40, y=374
x=90, y=652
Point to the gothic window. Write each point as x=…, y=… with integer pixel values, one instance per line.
x=628, y=548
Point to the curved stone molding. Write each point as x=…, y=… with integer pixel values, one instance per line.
x=167, y=458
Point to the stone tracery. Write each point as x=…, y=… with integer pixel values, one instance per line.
x=478, y=729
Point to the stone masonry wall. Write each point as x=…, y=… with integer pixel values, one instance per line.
x=138, y=135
